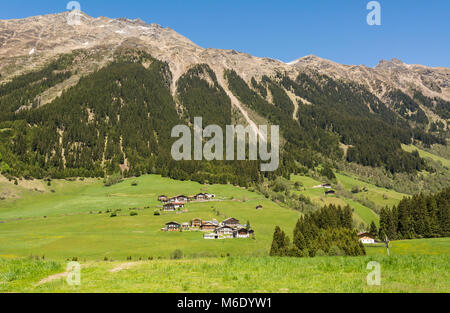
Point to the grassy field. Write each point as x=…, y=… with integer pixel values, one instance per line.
x=433, y=246
x=67, y=223
x=420, y=273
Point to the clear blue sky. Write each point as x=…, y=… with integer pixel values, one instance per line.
x=415, y=31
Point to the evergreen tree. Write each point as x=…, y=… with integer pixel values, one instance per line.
x=373, y=230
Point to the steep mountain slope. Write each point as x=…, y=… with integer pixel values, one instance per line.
x=102, y=96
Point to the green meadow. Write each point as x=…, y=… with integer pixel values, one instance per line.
x=435, y=246
x=73, y=221
x=417, y=273
x=43, y=227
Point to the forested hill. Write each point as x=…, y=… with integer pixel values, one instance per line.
x=109, y=107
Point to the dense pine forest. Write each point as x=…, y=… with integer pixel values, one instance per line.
x=328, y=231
x=119, y=120
x=422, y=216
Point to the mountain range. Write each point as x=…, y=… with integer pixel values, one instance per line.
x=102, y=96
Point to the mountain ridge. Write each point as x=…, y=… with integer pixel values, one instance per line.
x=50, y=69
x=181, y=53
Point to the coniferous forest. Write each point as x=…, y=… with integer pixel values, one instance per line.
x=421, y=216
x=328, y=231
x=119, y=120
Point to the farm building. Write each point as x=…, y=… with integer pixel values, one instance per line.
x=231, y=222
x=243, y=233
x=162, y=198
x=196, y=222
x=366, y=238
x=208, y=226
x=180, y=198
x=185, y=226
x=170, y=207
x=224, y=231
x=173, y=226
x=330, y=192
x=259, y=207
x=201, y=196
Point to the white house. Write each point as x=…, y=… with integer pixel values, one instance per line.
x=365, y=238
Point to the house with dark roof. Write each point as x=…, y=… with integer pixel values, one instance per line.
x=173, y=226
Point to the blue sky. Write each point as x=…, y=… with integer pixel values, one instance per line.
x=415, y=31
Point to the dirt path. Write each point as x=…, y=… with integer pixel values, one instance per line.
x=123, y=266
x=52, y=278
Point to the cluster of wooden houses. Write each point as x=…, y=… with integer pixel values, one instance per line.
x=229, y=228
x=178, y=202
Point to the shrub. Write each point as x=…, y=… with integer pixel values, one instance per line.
x=113, y=179
x=113, y=215
x=355, y=189
x=134, y=183
x=156, y=213
x=320, y=252
x=133, y=213
x=176, y=254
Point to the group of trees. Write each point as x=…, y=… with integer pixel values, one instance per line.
x=328, y=231
x=421, y=216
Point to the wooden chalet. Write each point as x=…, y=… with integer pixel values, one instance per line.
x=162, y=198
x=185, y=226
x=170, y=207
x=243, y=233
x=208, y=226
x=196, y=222
x=224, y=231
x=259, y=207
x=231, y=222
x=173, y=226
x=182, y=198
x=201, y=196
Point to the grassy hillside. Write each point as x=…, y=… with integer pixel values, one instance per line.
x=427, y=155
x=68, y=223
x=377, y=195
x=419, y=273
